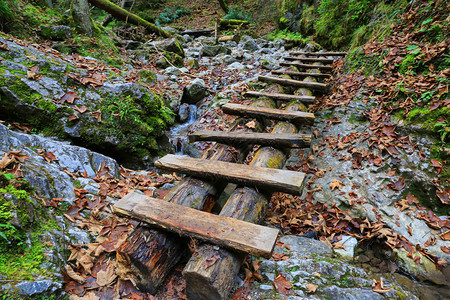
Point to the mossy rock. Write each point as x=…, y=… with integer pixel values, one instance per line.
x=56, y=33
x=147, y=76
x=174, y=58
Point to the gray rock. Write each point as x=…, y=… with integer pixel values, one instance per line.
x=250, y=45
x=172, y=71
x=213, y=50
x=195, y=91
x=301, y=246
x=40, y=287
x=183, y=112
x=335, y=292
x=350, y=244
x=236, y=66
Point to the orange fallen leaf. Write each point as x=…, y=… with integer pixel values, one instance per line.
x=336, y=184
x=378, y=286
x=251, y=124
x=311, y=288
x=281, y=285
x=445, y=236
x=32, y=73
x=69, y=97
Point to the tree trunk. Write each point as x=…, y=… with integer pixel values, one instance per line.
x=81, y=16
x=224, y=6
x=216, y=281
x=126, y=16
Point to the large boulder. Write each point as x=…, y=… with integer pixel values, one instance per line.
x=213, y=50
x=195, y=91
x=56, y=33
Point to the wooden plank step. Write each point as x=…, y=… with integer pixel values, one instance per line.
x=300, y=74
x=311, y=59
x=305, y=66
x=292, y=82
x=265, y=178
x=252, y=138
x=297, y=117
x=280, y=96
x=319, y=53
x=223, y=231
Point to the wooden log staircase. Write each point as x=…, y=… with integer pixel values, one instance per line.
x=232, y=234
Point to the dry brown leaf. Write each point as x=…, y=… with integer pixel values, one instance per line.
x=74, y=275
x=378, y=286
x=32, y=73
x=281, y=285
x=311, y=288
x=106, y=277
x=6, y=161
x=445, y=236
x=251, y=124
x=336, y=184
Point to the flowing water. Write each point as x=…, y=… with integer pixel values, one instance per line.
x=178, y=133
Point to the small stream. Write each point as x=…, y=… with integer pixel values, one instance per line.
x=178, y=133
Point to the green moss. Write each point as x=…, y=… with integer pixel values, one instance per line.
x=173, y=58
x=147, y=76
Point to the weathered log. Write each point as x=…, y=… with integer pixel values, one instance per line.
x=198, y=32
x=272, y=180
x=216, y=281
x=109, y=18
x=319, y=53
x=227, y=22
x=234, y=37
x=223, y=231
x=296, y=83
x=252, y=138
x=224, y=6
x=297, y=117
x=306, y=66
x=300, y=74
x=280, y=96
x=148, y=255
x=310, y=59
x=122, y=14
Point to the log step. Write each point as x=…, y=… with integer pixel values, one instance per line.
x=311, y=59
x=252, y=138
x=306, y=66
x=266, y=178
x=300, y=74
x=223, y=231
x=280, y=96
x=293, y=82
x=297, y=117
x=319, y=53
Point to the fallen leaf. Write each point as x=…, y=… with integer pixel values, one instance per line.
x=97, y=115
x=251, y=124
x=106, y=277
x=445, y=249
x=437, y=165
x=73, y=117
x=6, y=161
x=74, y=275
x=32, y=73
x=281, y=285
x=445, y=236
x=69, y=97
x=82, y=109
x=378, y=286
x=311, y=288
x=336, y=184
x=211, y=261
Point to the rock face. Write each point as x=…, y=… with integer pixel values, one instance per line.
x=309, y=261
x=56, y=33
x=213, y=50
x=195, y=91
x=121, y=118
x=49, y=180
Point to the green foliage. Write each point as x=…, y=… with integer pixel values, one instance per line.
x=6, y=13
x=237, y=13
x=169, y=15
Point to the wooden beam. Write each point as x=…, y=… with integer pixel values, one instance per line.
x=311, y=59
x=266, y=178
x=319, y=53
x=280, y=96
x=297, y=117
x=293, y=82
x=300, y=74
x=219, y=230
x=253, y=138
x=306, y=66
